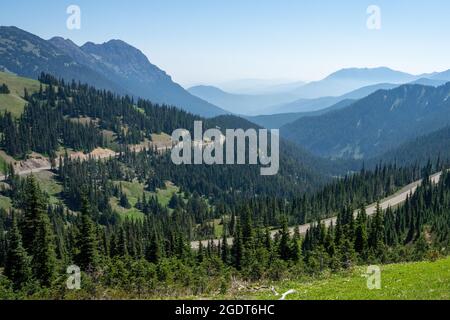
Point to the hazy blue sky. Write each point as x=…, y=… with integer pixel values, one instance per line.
x=210, y=41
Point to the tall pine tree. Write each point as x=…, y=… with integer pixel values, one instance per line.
x=87, y=257
x=44, y=253
x=17, y=267
x=34, y=206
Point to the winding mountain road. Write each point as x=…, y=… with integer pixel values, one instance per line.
x=391, y=201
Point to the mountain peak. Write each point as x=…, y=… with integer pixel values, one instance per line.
x=114, y=65
x=378, y=73
x=124, y=59
x=118, y=42
x=60, y=41
x=113, y=44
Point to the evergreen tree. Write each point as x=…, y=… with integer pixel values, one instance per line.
x=174, y=201
x=153, y=252
x=2, y=244
x=122, y=243
x=247, y=228
x=348, y=254
x=17, y=267
x=238, y=248
x=421, y=247
x=38, y=236
x=44, y=255
x=361, y=237
x=4, y=89
x=123, y=201
x=225, y=250
x=34, y=207
x=296, y=251
x=376, y=235
x=87, y=242
x=284, y=248
x=200, y=253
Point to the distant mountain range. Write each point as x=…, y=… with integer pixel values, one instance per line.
x=114, y=65
x=346, y=80
x=271, y=104
x=310, y=105
x=375, y=124
x=345, y=84
x=239, y=103
x=276, y=121
x=259, y=86
x=441, y=76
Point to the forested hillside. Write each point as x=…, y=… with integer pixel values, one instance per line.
x=128, y=220
x=150, y=257
x=375, y=124
x=61, y=119
x=435, y=145
x=51, y=122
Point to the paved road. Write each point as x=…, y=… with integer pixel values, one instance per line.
x=392, y=201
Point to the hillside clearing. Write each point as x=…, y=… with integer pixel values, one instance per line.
x=134, y=191
x=14, y=101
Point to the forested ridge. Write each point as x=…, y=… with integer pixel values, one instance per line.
x=375, y=124
x=46, y=122
x=49, y=124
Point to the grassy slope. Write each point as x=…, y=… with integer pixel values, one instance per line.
x=3, y=164
x=162, y=138
x=134, y=190
x=407, y=281
x=14, y=102
x=48, y=184
x=5, y=202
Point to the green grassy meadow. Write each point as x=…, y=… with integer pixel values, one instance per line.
x=14, y=101
x=406, y=281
